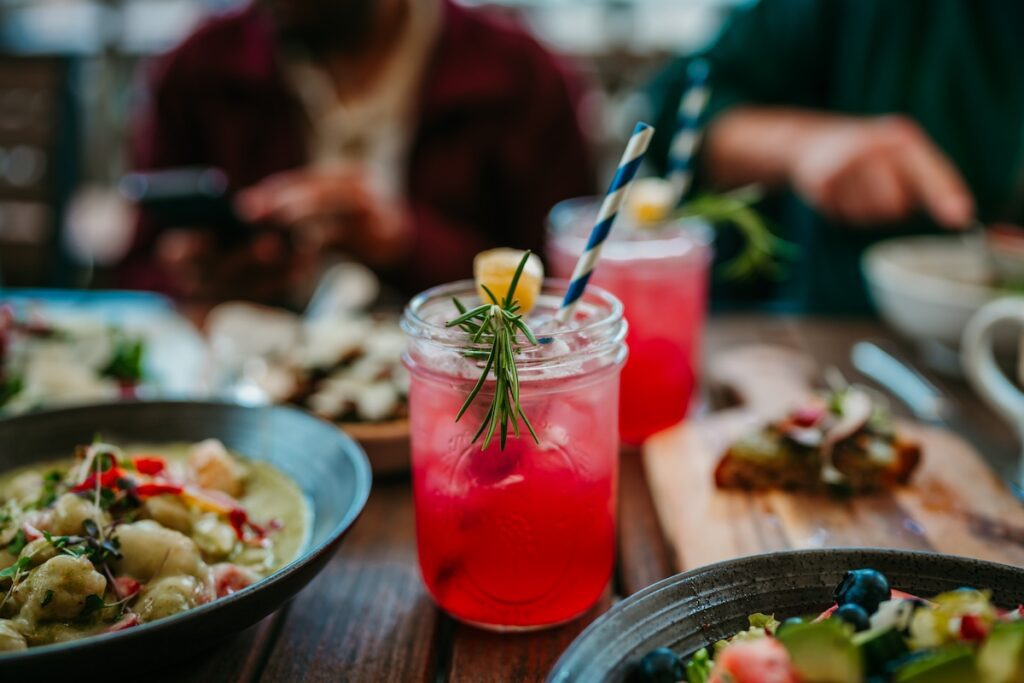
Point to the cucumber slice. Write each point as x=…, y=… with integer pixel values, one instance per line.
x=879, y=647
x=823, y=652
x=949, y=665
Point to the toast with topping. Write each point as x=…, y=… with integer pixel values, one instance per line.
x=842, y=440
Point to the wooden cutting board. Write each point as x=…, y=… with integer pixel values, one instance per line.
x=955, y=504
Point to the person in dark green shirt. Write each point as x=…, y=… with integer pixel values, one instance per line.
x=872, y=118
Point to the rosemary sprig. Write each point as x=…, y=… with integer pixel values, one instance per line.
x=764, y=253
x=496, y=325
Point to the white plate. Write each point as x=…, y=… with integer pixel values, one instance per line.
x=927, y=288
x=175, y=362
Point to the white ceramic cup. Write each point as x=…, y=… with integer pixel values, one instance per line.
x=978, y=354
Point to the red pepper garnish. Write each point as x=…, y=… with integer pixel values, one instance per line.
x=238, y=518
x=31, y=533
x=808, y=416
x=125, y=586
x=972, y=628
x=157, y=488
x=108, y=480
x=149, y=464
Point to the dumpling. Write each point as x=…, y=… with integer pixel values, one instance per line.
x=169, y=511
x=62, y=583
x=170, y=595
x=70, y=512
x=215, y=539
x=10, y=637
x=149, y=550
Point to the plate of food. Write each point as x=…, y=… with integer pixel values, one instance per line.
x=129, y=531
x=66, y=348
x=798, y=457
x=813, y=616
x=345, y=368
x=842, y=440
x=928, y=287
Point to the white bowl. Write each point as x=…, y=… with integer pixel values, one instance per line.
x=927, y=288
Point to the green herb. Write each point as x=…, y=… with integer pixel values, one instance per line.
x=16, y=568
x=108, y=498
x=51, y=482
x=16, y=572
x=496, y=327
x=764, y=253
x=126, y=363
x=47, y=598
x=93, y=545
x=92, y=603
x=104, y=461
x=18, y=543
x=836, y=399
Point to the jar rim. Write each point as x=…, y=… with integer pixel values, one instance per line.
x=603, y=331
x=698, y=234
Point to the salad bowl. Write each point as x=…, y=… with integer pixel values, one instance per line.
x=328, y=467
x=697, y=608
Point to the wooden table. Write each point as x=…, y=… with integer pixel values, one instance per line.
x=367, y=617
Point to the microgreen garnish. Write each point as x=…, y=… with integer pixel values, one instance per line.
x=92, y=603
x=16, y=568
x=94, y=545
x=48, y=494
x=16, y=573
x=493, y=330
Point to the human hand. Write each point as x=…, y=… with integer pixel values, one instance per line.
x=330, y=207
x=262, y=269
x=877, y=170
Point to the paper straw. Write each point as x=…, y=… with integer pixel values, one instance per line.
x=689, y=129
x=630, y=162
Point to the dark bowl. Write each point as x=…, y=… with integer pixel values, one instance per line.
x=692, y=610
x=329, y=467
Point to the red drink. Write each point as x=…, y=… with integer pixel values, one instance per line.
x=661, y=276
x=522, y=537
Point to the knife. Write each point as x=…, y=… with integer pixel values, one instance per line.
x=926, y=401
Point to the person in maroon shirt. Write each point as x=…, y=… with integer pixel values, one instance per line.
x=409, y=140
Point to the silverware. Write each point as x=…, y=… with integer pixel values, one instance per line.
x=926, y=401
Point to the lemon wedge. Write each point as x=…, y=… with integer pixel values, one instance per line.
x=495, y=269
x=650, y=201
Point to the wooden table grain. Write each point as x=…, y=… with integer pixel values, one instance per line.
x=367, y=617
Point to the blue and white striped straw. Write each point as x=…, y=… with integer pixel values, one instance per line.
x=689, y=129
x=628, y=165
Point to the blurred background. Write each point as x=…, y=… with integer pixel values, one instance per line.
x=70, y=82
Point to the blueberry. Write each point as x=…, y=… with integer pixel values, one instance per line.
x=854, y=614
x=864, y=587
x=661, y=666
